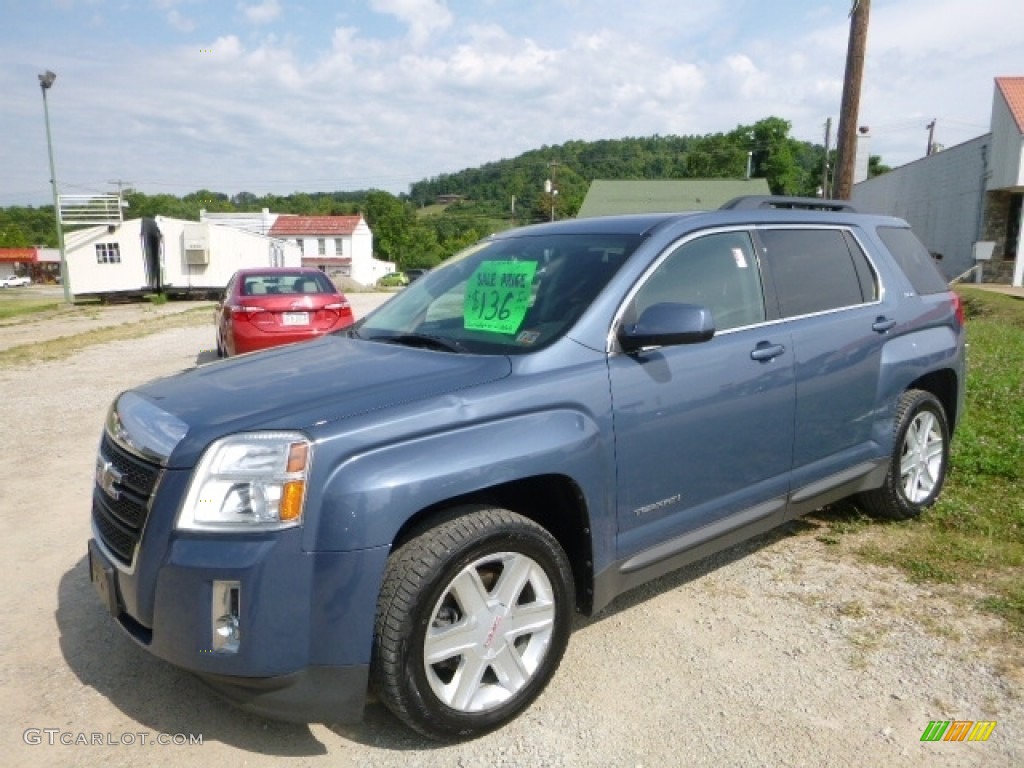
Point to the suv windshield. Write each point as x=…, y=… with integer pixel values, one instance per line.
x=504, y=296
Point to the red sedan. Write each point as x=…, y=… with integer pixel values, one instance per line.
x=267, y=307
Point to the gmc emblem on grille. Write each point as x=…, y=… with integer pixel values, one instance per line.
x=106, y=477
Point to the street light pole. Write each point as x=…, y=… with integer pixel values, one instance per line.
x=45, y=83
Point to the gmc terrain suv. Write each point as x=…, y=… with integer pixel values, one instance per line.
x=560, y=413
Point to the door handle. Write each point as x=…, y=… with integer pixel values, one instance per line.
x=883, y=324
x=766, y=351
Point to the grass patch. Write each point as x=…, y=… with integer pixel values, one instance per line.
x=57, y=349
x=11, y=307
x=974, y=535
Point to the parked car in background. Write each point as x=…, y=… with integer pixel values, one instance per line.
x=264, y=308
x=13, y=281
x=414, y=274
x=393, y=279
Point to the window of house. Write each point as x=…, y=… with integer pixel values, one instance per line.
x=338, y=250
x=108, y=253
x=321, y=247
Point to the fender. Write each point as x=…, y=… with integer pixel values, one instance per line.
x=370, y=495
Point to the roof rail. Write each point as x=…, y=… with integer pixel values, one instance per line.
x=749, y=202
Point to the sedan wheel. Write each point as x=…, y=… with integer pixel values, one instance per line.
x=472, y=622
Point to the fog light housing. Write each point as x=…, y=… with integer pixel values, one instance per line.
x=225, y=616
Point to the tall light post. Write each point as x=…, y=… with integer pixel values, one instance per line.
x=45, y=83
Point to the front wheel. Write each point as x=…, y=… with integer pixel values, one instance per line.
x=473, y=619
x=920, y=458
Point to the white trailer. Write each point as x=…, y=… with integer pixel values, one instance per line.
x=164, y=255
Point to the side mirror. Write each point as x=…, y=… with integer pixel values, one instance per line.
x=666, y=325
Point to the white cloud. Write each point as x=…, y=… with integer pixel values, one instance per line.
x=179, y=21
x=423, y=17
x=261, y=13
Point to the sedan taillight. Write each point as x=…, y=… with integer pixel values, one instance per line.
x=240, y=310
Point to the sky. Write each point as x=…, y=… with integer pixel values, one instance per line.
x=284, y=96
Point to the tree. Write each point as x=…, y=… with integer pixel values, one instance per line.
x=876, y=167
x=391, y=221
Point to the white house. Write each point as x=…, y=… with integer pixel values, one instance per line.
x=967, y=194
x=166, y=255
x=337, y=245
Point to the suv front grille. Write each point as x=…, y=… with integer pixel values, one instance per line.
x=120, y=501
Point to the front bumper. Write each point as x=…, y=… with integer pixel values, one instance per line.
x=305, y=619
x=311, y=695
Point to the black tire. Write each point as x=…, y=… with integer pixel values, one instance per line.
x=511, y=641
x=221, y=352
x=920, y=458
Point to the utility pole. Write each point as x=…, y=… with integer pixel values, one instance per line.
x=121, y=204
x=931, y=137
x=554, y=185
x=824, y=164
x=847, y=141
x=45, y=83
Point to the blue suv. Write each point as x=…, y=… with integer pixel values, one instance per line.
x=421, y=502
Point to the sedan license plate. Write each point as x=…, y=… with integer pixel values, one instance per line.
x=296, y=318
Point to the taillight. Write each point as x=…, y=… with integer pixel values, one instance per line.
x=337, y=307
x=240, y=310
x=958, y=308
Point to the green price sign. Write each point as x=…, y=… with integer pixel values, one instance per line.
x=498, y=295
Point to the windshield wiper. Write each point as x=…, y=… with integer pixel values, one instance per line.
x=422, y=340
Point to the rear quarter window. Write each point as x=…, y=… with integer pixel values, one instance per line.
x=913, y=258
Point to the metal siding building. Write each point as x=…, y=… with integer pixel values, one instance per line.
x=941, y=196
x=965, y=194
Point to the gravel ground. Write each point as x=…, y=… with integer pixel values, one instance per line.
x=777, y=653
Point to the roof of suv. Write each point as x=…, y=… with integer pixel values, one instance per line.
x=749, y=209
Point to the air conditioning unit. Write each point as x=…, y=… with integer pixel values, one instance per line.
x=196, y=242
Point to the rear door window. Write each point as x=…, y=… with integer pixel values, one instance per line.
x=817, y=270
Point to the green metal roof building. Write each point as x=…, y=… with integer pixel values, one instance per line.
x=606, y=197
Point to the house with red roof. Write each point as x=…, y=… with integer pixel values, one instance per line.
x=341, y=246
x=337, y=245
x=965, y=202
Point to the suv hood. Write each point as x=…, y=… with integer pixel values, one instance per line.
x=297, y=386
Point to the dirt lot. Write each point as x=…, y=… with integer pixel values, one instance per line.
x=779, y=652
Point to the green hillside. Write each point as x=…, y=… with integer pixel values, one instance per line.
x=791, y=167
x=415, y=230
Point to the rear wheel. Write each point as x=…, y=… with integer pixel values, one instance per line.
x=920, y=458
x=472, y=622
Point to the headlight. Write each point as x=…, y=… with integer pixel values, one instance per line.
x=249, y=481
